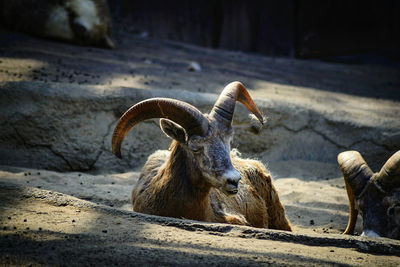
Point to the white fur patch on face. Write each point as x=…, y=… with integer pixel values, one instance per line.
x=86, y=13
x=57, y=25
x=369, y=233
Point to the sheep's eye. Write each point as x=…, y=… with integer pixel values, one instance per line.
x=197, y=149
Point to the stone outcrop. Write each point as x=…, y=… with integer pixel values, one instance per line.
x=69, y=127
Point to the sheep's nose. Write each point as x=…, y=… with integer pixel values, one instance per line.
x=233, y=176
x=232, y=180
x=232, y=183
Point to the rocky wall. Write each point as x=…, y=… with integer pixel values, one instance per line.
x=69, y=128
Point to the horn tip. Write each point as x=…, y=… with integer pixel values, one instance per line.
x=347, y=155
x=258, y=117
x=117, y=153
x=235, y=83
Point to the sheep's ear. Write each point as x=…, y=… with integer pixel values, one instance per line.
x=173, y=130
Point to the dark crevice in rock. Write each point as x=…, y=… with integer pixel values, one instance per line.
x=48, y=147
x=325, y=137
x=102, y=149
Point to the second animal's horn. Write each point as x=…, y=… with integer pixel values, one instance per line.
x=355, y=170
x=389, y=176
x=356, y=174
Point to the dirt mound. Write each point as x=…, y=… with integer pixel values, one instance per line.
x=49, y=228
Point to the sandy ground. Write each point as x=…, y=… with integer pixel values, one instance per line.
x=313, y=204
x=81, y=218
x=42, y=227
x=59, y=227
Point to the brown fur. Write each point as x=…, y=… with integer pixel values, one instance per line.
x=171, y=184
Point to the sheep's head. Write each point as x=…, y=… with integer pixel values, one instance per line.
x=206, y=137
x=375, y=195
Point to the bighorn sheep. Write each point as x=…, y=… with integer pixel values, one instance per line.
x=198, y=178
x=375, y=195
x=84, y=22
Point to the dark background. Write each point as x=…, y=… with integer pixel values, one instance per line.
x=347, y=31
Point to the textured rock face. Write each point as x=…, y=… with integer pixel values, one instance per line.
x=64, y=128
x=55, y=126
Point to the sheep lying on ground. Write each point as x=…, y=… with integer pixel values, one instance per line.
x=84, y=22
x=375, y=195
x=200, y=178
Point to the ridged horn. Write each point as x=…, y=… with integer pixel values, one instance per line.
x=356, y=174
x=389, y=176
x=353, y=212
x=184, y=114
x=355, y=170
x=224, y=107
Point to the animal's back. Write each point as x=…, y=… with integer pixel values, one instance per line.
x=149, y=171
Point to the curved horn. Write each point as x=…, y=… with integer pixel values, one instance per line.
x=356, y=174
x=355, y=170
x=389, y=175
x=353, y=212
x=225, y=105
x=189, y=117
